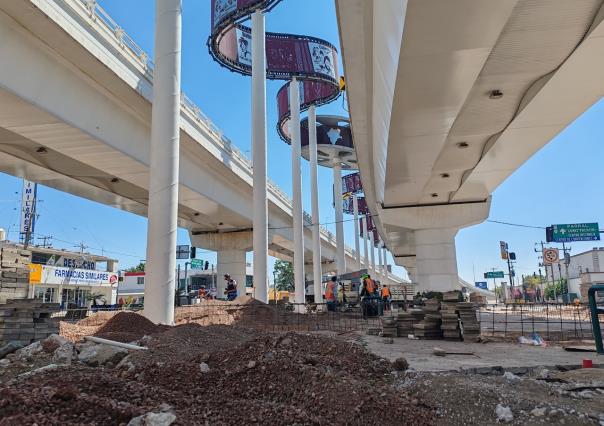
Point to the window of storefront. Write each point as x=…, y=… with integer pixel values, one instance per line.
x=45, y=294
x=140, y=280
x=76, y=298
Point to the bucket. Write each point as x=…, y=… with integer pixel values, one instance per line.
x=588, y=363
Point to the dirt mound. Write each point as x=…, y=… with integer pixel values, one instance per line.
x=189, y=342
x=292, y=379
x=127, y=327
x=248, y=377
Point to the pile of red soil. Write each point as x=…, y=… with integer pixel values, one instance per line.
x=253, y=378
x=127, y=327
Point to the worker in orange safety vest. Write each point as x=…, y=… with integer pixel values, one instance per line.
x=386, y=297
x=331, y=289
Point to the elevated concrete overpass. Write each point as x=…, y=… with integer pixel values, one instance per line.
x=447, y=99
x=75, y=115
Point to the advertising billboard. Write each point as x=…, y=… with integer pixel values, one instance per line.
x=28, y=208
x=45, y=274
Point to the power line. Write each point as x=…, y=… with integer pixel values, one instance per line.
x=515, y=224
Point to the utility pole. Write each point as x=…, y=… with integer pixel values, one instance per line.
x=82, y=247
x=566, y=262
x=545, y=266
x=44, y=239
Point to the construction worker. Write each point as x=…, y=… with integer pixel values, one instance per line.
x=202, y=293
x=331, y=289
x=386, y=297
x=369, y=286
x=231, y=288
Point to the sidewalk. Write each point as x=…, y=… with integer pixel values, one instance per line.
x=492, y=357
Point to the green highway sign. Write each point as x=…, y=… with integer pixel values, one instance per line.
x=196, y=264
x=567, y=233
x=493, y=274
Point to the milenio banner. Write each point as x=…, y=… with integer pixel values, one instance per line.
x=312, y=60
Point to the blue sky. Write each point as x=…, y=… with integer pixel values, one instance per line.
x=560, y=184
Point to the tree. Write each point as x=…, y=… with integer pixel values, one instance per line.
x=284, y=275
x=138, y=268
x=532, y=281
x=560, y=288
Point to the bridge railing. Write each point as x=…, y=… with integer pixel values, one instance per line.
x=98, y=14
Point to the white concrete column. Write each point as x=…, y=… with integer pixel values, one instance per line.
x=339, y=207
x=380, y=272
x=260, y=230
x=294, y=104
x=314, y=196
x=365, y=242
x=385, y=262
x=436, y=260
x=357, y=243
x=163, y=170
x=372, y=252
x=231, y=262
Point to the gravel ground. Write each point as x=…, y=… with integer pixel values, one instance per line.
x=463, y=399
x=218, y=375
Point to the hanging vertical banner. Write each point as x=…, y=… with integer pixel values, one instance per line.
x=28, y=208
x=351, y=184
x=349, y=207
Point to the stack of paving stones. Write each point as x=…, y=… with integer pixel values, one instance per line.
x=478, y=298
x=404, y=323
x=14, y=273
x=429, y=327
x=448, y=313
x=27, y=321
x=469, y=321
x=389, y=327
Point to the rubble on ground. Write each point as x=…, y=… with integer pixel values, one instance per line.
x=535, y=397
x=217, y=374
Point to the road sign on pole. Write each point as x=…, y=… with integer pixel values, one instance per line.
x=494, y=274
x=551, y=255
x=182, y=252
x=481, y=284
x=197, y=264
x=568, y=233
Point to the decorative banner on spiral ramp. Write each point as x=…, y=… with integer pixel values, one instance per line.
x=313, y=61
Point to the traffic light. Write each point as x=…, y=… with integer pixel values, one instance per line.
x=193, y=252
x=512, y=256
x=207, y=265
x=549, y=234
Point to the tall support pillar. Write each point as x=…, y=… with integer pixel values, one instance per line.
x=294, y=103
x=337, y=197
x=231, y=262
x=385, y=262
x=380, y=272
x=372, y=251
x=164, y=162
x=357, y=243
x=260, y=215
x=365, y=243
x=436, y=259
x=314, y=195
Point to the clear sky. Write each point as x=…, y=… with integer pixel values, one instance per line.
x=560, y=184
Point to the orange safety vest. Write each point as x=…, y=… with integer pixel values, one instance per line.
x=370, y=285
x=329, y=292
x=385, y=292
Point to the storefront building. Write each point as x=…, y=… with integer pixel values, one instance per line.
x=73, y=279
